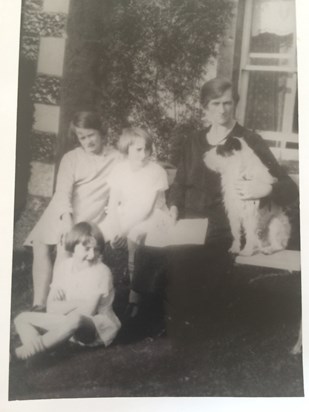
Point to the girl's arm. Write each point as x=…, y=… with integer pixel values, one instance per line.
x=62, y=199
x=65, y=184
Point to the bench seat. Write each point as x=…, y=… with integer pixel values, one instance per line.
x=284, y=260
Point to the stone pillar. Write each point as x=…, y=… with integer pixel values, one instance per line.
x=52, y=15
x=42, y=49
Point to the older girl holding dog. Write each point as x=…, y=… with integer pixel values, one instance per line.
x=198, y=275
x=81, y=195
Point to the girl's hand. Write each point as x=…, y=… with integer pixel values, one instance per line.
x=59, y=295
x=66, y=226
x=252, y=189
x=173, y=212
x=118, y=242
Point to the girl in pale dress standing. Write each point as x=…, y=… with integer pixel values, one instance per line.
x=81, y=195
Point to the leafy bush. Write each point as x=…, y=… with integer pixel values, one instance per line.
x=153, y=57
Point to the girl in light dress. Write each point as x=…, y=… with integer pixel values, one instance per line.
x=79, y=305
x=137, y=189
x=81, y=195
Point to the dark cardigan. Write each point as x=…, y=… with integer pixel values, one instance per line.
x=196, y=190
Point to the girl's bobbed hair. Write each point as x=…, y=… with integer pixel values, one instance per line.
x=128, y=137
x=84, y=233
x=215, y=88
x=85, y=120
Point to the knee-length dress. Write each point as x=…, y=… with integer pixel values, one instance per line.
x=136, y=188
x=84, y=284
x=81, y=190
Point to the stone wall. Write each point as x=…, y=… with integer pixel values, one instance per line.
x=43, y=38
x=42, y=48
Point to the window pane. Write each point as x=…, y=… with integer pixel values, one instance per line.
x=268, y=100
x=273, y=32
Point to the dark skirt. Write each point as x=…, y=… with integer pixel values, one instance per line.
x=198, y=279
x=149, y=270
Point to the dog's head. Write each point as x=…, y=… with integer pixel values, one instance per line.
x=216, y=158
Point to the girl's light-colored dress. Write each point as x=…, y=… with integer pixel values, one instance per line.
x=82, y=285
x=136, y=188
x=81, y=189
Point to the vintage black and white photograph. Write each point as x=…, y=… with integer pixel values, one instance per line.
x=156, y=245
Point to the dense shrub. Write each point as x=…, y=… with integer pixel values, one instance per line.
x=153, y=57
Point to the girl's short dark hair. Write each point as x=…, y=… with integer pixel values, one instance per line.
x=129, y=136
x=85, y=120
x=213, y=89
x=83, y=233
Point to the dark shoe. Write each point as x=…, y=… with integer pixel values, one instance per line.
x=38, y=308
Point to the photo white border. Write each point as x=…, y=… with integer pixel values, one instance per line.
x=9, y=49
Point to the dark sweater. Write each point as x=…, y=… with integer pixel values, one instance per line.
x=196, y=190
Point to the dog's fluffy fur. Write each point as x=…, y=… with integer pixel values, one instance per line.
x=267, y=229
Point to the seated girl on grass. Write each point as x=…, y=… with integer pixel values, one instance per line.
x=79, y=305
x=137, y=187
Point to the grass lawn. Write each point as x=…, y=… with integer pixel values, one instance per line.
x=246, y=352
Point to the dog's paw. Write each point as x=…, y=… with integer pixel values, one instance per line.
x=247, y=251
x=235, y=248
x=269, y=250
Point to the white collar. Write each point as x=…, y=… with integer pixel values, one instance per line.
x=217, y=135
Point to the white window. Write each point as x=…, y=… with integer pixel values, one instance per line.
x=268, y=75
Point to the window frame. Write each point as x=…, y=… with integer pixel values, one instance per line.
x=278, y=140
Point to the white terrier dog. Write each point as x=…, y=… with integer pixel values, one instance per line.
x=266, y=229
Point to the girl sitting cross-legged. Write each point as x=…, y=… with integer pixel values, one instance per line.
x=79, y=305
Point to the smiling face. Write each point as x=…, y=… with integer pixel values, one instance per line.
x=138, y=154
x=220, y=111
x=90, y=140
x=86, y=252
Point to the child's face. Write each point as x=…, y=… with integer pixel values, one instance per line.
x=138, y=155
x=86, y=252
x=89, y=139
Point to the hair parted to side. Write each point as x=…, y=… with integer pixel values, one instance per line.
x=84, y=233
x=128, y=137
x=214, y=88
x=85, y=120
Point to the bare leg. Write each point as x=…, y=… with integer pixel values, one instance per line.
x=61, y=255
x=59, y=329
x=41, y=272
x=27, y=324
